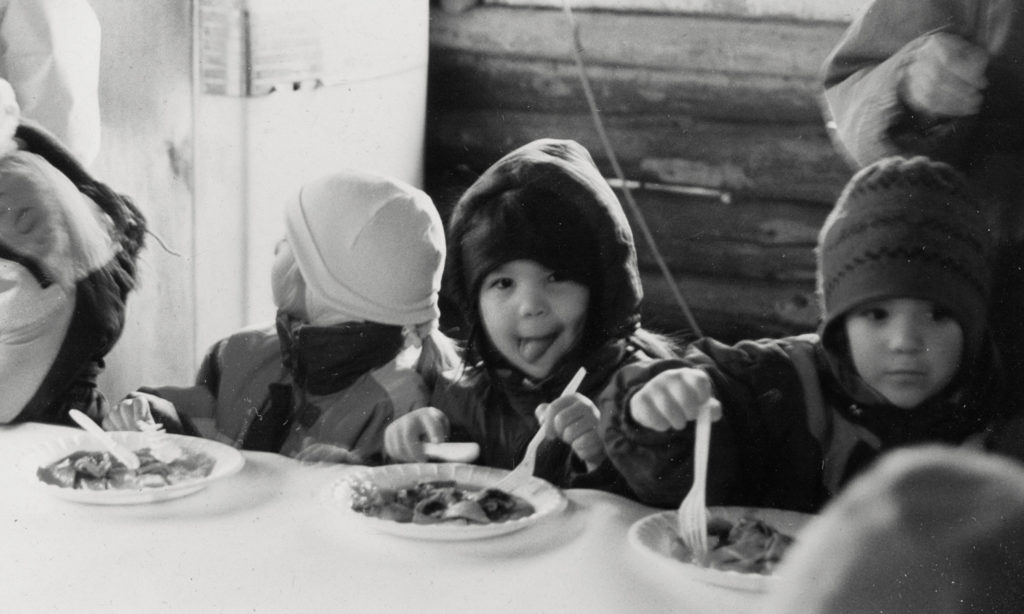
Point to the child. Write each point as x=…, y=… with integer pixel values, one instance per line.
x=355, y=281
x=543, y=266
x=903, y=356
x=896, y=541
x=68, y=252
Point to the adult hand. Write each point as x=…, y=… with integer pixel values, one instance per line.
x=945, y=77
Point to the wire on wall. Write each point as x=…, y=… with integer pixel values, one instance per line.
x=577, y=49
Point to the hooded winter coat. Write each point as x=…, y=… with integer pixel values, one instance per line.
x=491, y=402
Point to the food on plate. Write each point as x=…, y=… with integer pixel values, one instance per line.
x=748, y=545
x=100, y=470
x=438, y=501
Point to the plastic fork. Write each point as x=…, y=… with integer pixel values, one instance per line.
x=160, y=444
x=692, y=518
x=524, y=470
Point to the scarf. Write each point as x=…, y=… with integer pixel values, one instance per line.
x=325, y=359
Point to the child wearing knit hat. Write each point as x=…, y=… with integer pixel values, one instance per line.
x=903, y=355
x=896, y=541
x=355, y=343
x=543, y=266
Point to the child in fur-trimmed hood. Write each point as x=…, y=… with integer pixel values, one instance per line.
x=543, y=265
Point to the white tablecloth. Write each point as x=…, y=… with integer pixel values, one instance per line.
x=272, y=539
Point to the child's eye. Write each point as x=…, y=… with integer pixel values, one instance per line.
x=873, y=313
x=499, y=283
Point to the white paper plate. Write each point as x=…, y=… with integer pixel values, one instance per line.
x=227, y=462
x=655, y=535
x=545, y=499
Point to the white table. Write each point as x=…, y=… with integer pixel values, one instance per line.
x=271, y=539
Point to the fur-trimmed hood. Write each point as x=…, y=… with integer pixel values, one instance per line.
x=580, y=223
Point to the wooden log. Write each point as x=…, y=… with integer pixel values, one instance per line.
x=750, y=240
x=833, y=10
x=699, y=65
x=683, y=42
x=482, y=80
x=730, y=309
x=758, y=160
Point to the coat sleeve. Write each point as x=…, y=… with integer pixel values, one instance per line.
x=196, y=405
x=656, y=466
x=761, y=453
x=862, y=75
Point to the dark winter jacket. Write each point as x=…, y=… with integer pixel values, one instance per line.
x=796, y=425
x=496, y=410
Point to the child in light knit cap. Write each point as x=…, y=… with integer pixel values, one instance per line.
x=355, y=344
x=930, y=529
x=903, y=355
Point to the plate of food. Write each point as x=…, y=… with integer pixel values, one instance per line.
x=745, y=545
x=79, y=468
x=443, y=501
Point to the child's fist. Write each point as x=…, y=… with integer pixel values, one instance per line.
x=574, y=420
x=403, y=438
x=672, y=398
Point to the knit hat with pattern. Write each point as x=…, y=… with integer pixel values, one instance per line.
x=906, y=228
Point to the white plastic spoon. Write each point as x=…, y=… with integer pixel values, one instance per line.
x=452, y=451
x=119, y=451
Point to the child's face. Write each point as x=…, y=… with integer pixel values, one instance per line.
x=532, y=316
x=906, y=349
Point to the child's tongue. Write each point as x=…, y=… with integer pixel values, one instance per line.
x=532, y=349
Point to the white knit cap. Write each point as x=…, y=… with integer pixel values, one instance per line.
x=370, y=248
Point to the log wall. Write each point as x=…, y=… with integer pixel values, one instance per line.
x=715, y=121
